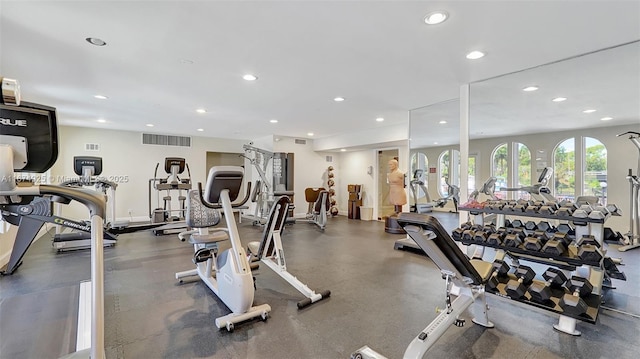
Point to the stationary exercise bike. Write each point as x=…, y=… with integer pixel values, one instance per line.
x=633, y=236
x=226, y=273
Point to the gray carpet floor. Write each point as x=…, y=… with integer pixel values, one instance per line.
x=380, y=297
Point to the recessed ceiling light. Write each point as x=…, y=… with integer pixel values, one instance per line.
x=559, y=99
x=474, y=55
x=310, y=134
x=379, y=119
x=435, y=143
x=606, y=119
x=273, y=121
x=186, y=62
x=95, y=41
x=101, y=97
x=101, y=120
x=338, y=99
x=201, y=110
x=530, y=88
x=250, y=77
x=149, y=125
x=436, y=17
x=442, y=122
x=589, y=111
x=343, y=150
x=200, y=129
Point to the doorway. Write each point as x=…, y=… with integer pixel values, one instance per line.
x=385, y=208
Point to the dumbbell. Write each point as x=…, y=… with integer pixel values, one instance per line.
x=583, y=211
x=521, y=205
x=481, y=236
x=589, y=249
x=557, y=245
x=541, y=292
x=612, y=236
x=457, y=234
x=467, y=235
x=536, y=241
x=516, y=223
x=517, y=288
x=614, y=210
x=573, y=304
x=534, y=207
x=500, y=270
x=496, y=239
x=566, y=228
x=495, y=205
x=600, y=212
x=514, y=238
x=530, y=226
x=567, y=210
x=548, y=209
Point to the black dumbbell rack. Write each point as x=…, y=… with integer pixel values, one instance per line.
x=569, y=261
x=593, y=300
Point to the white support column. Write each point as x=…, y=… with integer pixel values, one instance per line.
x=464, y=145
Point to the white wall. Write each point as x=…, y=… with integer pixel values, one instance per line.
x=310, y=168
x=621, y=155
x=123, y=154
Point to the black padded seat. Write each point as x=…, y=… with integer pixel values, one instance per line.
x=427, y=232
x=278, y=214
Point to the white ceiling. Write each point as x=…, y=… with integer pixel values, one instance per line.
x=607, y=81
x=379, y=55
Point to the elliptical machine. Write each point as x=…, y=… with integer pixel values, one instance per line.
x=173, y=167
x=416, y=183
x=29, y=143
x=633, y=236
x=226, y=273
x=453, y=194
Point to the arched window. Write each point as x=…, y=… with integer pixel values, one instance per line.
x=523, y=168
x=564, y=169
x=448, y=171
x=500, y=168
x=594, y=181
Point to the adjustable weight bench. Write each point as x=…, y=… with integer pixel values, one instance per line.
x=464, y=278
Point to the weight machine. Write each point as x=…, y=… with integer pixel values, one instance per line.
x=266, y=190
x=633, y=236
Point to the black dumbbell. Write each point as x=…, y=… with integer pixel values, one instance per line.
x=566, y=228
x=589, y=249
x=516, y=223
x=534, y=207
x=557, y=245
x=548, y=209
x=496, y=239
x=480, y=236
x=530, y=226
x=582, y=212
x=541, y=292
x=544, y=226
x=611, y=236
x=517, y=288
x=500, y=270
x=573, y=304
x=536, y=241
x=514, y=238
x=457, y=234
x=521, y=206
x=508, y=224
x=467, y=235
x=566, y=210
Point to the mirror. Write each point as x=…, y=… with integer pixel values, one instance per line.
x=565, y=116
x=433, y=144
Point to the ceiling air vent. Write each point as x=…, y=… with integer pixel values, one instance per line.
x=301, y=142
x=329, y=158
x=166, y=140
x=92, y=147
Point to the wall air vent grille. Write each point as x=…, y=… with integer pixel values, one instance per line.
x=92, y=147
x=329, y=158
x=165, y=140
x=301, y=142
